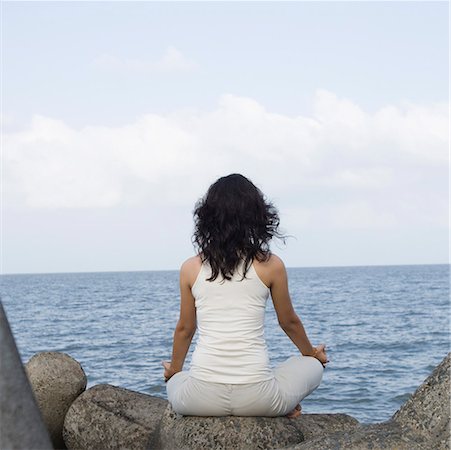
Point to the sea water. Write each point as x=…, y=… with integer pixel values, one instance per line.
x=385, y=328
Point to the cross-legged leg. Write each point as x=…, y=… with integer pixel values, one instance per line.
x=192, y=397
x=298, y=377
x=293, y=380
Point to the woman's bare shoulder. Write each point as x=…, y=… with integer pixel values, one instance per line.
x=194, y=262
x=190, y=268
x=273, y=262
x=270, y=269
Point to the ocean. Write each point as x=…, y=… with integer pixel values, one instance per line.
x=385, y=328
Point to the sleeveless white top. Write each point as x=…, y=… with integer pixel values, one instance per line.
x=231, y=347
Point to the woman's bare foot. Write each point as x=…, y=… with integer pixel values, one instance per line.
x=295, y=413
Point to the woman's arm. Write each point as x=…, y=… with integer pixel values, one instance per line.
x=186, y=325
x=288, y=319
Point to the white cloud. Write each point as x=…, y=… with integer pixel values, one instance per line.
x=342, y=166
x=172, y=61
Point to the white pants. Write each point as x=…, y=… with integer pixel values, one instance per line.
x=293, y=380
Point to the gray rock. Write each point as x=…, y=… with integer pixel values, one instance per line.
x=387, y=436
x=422, y=423
x=110, y=417
x=21, y=425
x=427, y=412
x=107, y=417
x=195, y=433
x=230, y=432
x=314, y=425
x=57, y=380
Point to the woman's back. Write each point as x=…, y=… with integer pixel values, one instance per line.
x=230, y=314
x=223, y=295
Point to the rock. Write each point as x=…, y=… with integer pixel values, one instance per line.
x=110, y=417
x=314, y=425
x=21, y=425
x=106, y=417
x=232, y=432
x=427, y=412
x=388, y=436
x=57, y=380
x=422, y=423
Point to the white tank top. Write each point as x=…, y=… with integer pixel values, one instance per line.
x=231, y=347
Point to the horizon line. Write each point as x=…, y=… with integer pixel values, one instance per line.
x=176, y=270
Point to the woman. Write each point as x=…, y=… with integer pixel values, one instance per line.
x=223, y=291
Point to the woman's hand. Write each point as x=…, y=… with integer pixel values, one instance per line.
x=321, y=354
x=168, y=370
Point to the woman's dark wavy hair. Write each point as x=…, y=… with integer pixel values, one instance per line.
x=234, y=222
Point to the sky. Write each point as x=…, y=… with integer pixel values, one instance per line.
x=117, y=116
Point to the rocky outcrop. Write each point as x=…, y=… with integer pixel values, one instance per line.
x=110, y=417
x=21, y=424
x=106, y=417
x=314, y=425
x=57, y=380
x=231, y=432
x=243, y=433
x=388, y=436
x=422, y=423
x=427, y=412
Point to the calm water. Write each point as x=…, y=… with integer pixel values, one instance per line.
x=385, y=327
